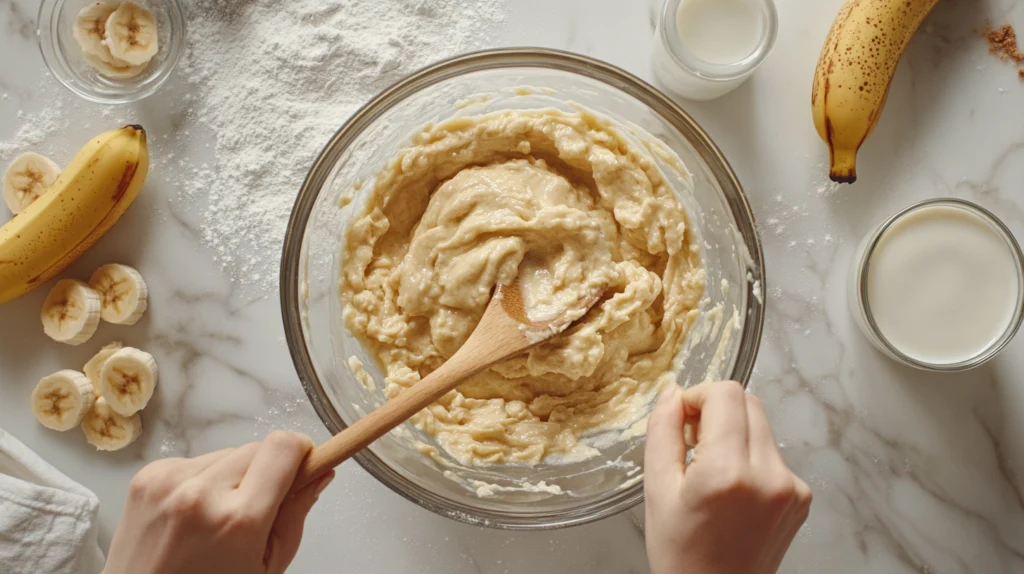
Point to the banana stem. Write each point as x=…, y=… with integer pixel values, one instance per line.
x=843, y=165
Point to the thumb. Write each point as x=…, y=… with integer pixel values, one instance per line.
x=665, y=452
x=286, y=534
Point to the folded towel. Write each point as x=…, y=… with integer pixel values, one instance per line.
x=48, y=522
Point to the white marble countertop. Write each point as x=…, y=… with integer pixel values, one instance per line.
x=911, y=472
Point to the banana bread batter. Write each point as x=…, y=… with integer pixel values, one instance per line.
x=560, y=201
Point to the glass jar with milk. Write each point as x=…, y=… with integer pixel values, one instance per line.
x=707, y=48
x=939, y=286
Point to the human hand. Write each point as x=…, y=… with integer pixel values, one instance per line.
x=736, y=508
x=227, y=512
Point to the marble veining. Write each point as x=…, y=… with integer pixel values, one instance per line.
x=18, y=19
x=912, y=472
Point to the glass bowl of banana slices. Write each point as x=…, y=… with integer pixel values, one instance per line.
x=111, y=51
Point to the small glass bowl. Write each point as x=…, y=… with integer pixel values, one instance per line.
x=683, y=73
x=860, y=304
x=64, y=59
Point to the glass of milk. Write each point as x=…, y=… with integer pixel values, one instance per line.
x=939, y=286
x=706, y=48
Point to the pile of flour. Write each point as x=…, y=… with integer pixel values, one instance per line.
x=274, y=80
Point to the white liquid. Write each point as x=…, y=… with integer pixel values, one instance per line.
x=942, y=285
x=719, y=31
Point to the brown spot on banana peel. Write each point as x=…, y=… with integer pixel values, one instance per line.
x=877, y=114
x=126, y=180
x=845, y=176
x=130, y=167
x=93, y=236
x=850, y=176
x=882, y=45
x=74, y=253
x=827, y=60
x=836, y=176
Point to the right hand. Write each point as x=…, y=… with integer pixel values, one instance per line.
x=227, y=512
x=736, y=508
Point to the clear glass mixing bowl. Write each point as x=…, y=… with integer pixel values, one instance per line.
x=723, y=343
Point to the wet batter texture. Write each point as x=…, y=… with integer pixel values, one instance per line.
x=562, y=202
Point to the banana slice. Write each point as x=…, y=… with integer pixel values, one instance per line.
x=71, y=312
x=131, y=34
x=123, y=291
x=89, y=29
x=94, y=367
x=127, y=380
x=60, y=400
x=106, y=430
x=117, y=71
x=28, y=177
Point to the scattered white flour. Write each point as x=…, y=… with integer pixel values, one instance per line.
x=828, y=188
x=274, y=80
x=790, y=223
x=37, y=130
x=168, y=446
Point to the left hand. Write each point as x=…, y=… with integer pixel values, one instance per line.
x=227, y=512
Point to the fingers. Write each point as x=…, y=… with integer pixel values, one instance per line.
x=159, y=478
x=195, y=466
x=763, y=449
x=788, y=488
x=185, y=468
x=722, y=408
x=287, y=531
x=796, y=515
x=229, y=469
x=665, y=452
x=804, y=497
x=273, y=469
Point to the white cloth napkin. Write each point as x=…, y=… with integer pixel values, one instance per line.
x=48, y=522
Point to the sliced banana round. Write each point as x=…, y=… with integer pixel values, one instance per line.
x=94, y=367
x=106, y=430
x=89, y=29
x=117, y=71
x=60, y=400
x=28, y=177
x=131, y=34
x=127, y=380
x=71, y=312
x=123, y=292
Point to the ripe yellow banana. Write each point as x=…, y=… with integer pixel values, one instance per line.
x=854, y=71
x=86, y=200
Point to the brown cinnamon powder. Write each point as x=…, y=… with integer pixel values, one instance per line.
x=1002, y=42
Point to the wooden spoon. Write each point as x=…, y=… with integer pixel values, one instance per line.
x=504, y=331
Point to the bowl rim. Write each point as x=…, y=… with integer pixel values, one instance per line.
x=292, y=292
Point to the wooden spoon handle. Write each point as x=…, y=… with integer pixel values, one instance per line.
x=392, y=413
x=497, y=336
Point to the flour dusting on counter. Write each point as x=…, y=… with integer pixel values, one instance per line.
x=37, y=130
x=274, y=80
